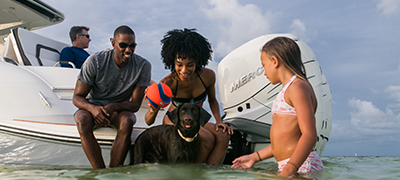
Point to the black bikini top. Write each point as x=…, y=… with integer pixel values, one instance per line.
x=198, y=100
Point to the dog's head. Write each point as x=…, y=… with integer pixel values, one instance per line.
x=188, y=118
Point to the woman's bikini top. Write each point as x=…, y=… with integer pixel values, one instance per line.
x=280, y=106
x=198, y=100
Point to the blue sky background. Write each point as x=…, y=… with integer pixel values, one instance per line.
x=357, y=44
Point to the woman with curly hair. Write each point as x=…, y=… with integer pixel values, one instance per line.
x=186, y=53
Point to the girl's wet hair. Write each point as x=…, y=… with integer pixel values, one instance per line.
x=288, y=53
x=186, y=43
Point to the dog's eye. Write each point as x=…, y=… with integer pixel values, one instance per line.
x=195, y=110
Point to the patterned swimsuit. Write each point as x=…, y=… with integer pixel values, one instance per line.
x=280, y=106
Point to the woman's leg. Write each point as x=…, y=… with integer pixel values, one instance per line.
x=221, y=144
x=207, y=142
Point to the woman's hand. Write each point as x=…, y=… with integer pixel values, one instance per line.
x=224, y=127
x=151, y=109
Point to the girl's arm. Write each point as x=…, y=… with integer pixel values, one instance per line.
x=247, y=161
x=303, y=99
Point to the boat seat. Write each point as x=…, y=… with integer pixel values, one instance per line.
x=30, y=49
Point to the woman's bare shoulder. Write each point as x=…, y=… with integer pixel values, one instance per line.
x=169, y=80
x=208, y=75
x=208, y=71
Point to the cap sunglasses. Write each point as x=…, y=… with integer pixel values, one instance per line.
x=87, y=35
x=124, y=45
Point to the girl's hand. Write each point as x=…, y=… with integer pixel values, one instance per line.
x=224, y=127
x=286, y=174
x=243, y=162
x=288, y=171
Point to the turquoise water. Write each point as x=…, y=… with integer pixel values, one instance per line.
x=335, y=168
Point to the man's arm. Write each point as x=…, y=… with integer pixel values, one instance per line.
x=80, y=101
x=133, y=105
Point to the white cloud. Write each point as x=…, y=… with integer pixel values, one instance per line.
x=370, y=120
x=235, y=24
x=299, y=29
x=388, y=7
x=394, y=92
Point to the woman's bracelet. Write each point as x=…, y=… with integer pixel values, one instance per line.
x=258, y=156
x=297, y=168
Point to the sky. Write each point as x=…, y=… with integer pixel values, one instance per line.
x=357, y=44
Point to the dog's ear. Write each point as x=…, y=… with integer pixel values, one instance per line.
x=173, y=115
x=204, y=116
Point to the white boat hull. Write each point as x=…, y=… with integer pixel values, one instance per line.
x=36, y=97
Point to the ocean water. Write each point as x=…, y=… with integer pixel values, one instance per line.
x=335, y=168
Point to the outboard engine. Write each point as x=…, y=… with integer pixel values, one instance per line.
x=246, y=96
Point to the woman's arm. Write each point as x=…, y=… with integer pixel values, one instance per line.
x=214, y=105
x=151, y=115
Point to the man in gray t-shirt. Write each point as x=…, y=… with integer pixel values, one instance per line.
x=109, y=90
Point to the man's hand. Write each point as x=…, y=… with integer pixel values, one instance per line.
x=100, y=117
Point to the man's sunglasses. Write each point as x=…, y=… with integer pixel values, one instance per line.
x=124, y=45
x=87, y=35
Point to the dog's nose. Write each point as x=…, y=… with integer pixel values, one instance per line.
x=187, y=119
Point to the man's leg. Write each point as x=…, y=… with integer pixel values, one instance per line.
x=84, y=123
x=123, y=122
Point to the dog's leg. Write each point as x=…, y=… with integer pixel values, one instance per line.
x=140, y=149
x=131, y=149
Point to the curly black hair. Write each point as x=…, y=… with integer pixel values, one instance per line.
x=186, y=43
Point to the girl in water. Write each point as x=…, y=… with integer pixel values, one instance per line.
x=186, y=53
x=293, y=133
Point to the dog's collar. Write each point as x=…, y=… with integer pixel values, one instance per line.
x=187, y=139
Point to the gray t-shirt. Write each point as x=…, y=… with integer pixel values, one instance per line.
x=110, y=84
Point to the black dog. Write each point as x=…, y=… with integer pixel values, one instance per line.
x=178, y=143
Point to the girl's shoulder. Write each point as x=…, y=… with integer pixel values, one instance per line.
x=300, y=89
x=300, y=86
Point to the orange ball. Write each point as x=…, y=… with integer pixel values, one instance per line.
x=158, y=95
